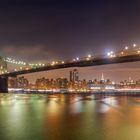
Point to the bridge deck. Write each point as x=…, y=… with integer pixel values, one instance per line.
x=82, y=63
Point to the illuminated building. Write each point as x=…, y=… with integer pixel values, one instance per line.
x=12, y=83
x=22, y=82
x=102, y=85
x=19, y=82
x=102, y=79
x=74, y=75
x=43, y=83
x=62, y=84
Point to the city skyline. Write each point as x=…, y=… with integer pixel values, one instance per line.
x=115, y=72
x=72, y=84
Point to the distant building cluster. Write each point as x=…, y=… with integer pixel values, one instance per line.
x=73, y=84
x=130, y=84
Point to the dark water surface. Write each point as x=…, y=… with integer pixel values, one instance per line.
x=68, y=117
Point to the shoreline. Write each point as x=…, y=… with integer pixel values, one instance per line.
x=104, y=93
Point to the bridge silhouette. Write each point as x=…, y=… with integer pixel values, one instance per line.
x=113, y=59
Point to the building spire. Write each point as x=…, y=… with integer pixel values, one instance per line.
x=102, y=77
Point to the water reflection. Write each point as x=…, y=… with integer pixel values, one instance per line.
x=63, y=116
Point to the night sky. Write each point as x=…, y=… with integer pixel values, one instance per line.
x=35, y=31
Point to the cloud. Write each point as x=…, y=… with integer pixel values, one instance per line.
x=27, y=53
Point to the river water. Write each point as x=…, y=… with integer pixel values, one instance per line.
x=69, y=117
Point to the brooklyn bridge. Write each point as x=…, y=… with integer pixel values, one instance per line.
x=123, y=56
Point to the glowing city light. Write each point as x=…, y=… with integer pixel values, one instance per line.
x=21, y=68
x=53, y=63
x=89, y=55
x=62, y=62
x=111, y=54
x=77, y=58
x=126, y=48
x=108, y=54
x=134, y=45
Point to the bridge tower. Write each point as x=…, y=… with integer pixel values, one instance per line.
x=3, y=66
x=3, y=80
x=3, y=84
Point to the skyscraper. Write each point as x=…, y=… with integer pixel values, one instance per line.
x=102, y=79
x=74, y=75
x=71, y=76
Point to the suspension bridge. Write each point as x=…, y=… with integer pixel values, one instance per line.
x=124, y=56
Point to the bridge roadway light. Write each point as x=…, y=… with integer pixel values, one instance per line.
x=77, y=58
x=108, y=54
x=126, y=48
x=134, y=45
x=111, y=54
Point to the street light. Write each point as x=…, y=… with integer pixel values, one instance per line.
x=134, y=45
x=108, y=54
x=77, y=58
x=126, y=48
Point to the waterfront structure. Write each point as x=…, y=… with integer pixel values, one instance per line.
x=18, y=82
